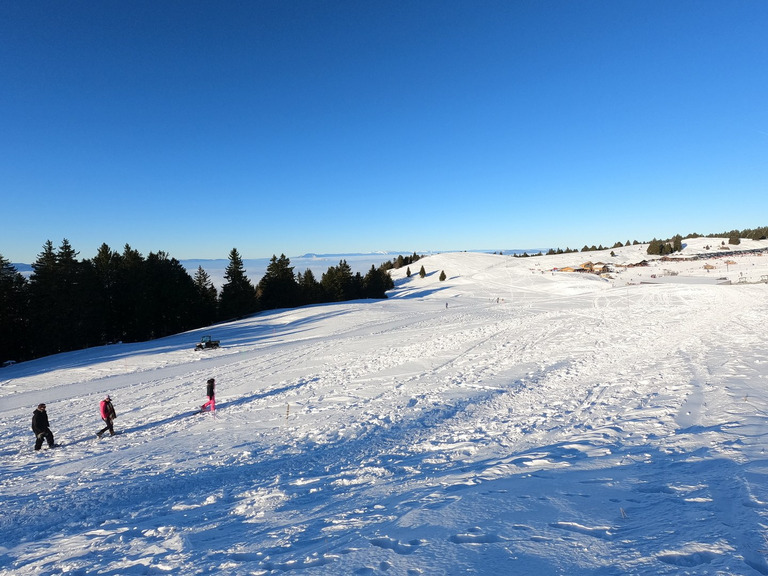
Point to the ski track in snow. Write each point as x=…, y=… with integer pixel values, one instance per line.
x=574, y=427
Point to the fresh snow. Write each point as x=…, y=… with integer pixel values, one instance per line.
x=509, y=420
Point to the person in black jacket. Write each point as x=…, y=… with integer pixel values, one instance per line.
x=41, y=427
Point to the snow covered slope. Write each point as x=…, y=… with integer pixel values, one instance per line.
x=509, y=420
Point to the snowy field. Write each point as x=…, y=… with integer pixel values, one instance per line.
x=509, y=420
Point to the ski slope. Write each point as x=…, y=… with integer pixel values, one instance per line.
x=509, y=420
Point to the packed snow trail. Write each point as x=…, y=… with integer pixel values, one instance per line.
x=588, y=429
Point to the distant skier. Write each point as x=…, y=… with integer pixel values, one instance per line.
x=210, y=391
x=41, y=428
x=108, y=415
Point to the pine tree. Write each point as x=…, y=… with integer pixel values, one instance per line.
x=170, y=296
x=338, y=283
x=72, y=308
x=442, y=276
x=422, y=272
x=44, y=304
x=14, y=337
x=238, y=296
x=376, y=283
x=106, y=269
x=132, y=312
x=278, y=287
x=60, y=291
x=310, y=290
x=206, y=301
x=654, y=247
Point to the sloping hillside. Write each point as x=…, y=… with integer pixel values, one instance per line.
x=512, y=419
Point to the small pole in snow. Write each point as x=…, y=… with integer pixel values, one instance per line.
x=287, y=411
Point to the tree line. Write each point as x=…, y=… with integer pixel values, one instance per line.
x=669, y=246
x=69, y=304
x=675, y=244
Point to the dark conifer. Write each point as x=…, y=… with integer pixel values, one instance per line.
x=206, y=300
x=238, y=296
x=311, y=292
x=376, y=283
x=14, y=336
x=278, y=287
x=338, y=283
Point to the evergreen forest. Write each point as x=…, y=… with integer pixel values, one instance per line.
x=69, y=303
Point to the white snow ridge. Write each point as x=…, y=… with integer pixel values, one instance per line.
x=511, y=419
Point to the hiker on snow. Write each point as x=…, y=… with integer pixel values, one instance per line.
x=107, y=414
x=41, y=427
x=210, y=391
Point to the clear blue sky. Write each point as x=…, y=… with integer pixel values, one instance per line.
x=354, y=126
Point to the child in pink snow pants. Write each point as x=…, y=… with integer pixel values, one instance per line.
x=210, y=392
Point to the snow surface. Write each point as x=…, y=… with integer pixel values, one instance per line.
x=509, y=420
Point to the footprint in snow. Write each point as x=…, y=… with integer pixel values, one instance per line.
x=476, y=536
x=396, y=545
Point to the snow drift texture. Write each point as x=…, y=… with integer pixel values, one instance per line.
x=509, y=420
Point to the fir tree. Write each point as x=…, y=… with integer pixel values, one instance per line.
x=376, y=283
x=206, y=300
x=131, y=296
x=238, y=296
x=44, y=303
x=310, y=290
x=278, y=287
x=338, y=283
x=169, y=296
x=654, y=247
x=106, y=270
x=14, y=337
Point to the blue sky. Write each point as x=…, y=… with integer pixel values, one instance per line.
x=335, y=127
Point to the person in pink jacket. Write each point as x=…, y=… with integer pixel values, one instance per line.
x=210, y=391
x=107, y=414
